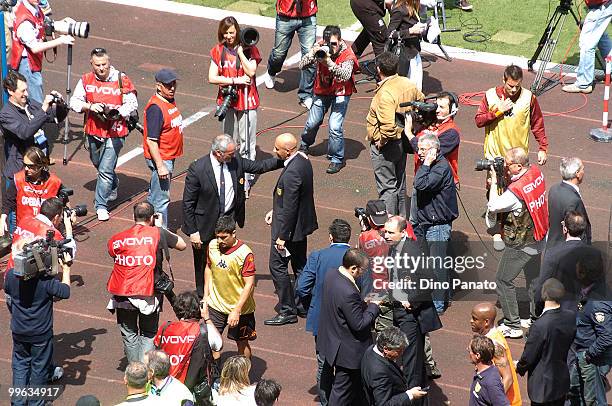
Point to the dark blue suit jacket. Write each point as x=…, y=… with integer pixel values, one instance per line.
x=310, y=283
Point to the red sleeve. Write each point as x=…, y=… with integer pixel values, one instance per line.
x=255, y=55
x=127, y=85
x=537, y=124
x=483, y=115
x=248, y=268
x=215, y=55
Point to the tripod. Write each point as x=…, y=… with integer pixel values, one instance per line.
x=68, y=91
x=547, y=44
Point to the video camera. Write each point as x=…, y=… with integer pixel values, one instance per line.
x=67, y=26
x=41, y=257
x=422, y=113
x=79, y=210
x=230, y=94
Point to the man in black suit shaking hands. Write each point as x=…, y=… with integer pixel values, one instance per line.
x=208, y=195
x=293, y=219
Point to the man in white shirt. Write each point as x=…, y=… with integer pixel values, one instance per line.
x=166, y=388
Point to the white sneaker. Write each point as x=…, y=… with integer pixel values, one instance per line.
x=102, y=214
x=113, y=195
x=269, y=80
x=307, y=103
x=498, y=243
x=58, y=372
x=490, y=219
x=502, y=327
x=513, y=333
x=526, y=323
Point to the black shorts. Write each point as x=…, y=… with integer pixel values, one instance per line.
x=245, y=330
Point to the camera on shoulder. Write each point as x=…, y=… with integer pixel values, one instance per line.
x=41, y=257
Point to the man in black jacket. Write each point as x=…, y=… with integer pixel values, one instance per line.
x=436, y=201
x=293, y=219
x=413, y=310
x=545, y=353
x=344, y=331
x=21, y=121
x=565, y=196
x=203, y=202
x=382, y=378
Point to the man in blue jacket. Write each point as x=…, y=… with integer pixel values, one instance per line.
x=310, y=283
x=436, y=199
x=30, y=303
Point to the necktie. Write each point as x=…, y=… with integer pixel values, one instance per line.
x=221, y=191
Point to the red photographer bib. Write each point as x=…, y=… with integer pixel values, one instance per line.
x=327, y=85
x=296, y=8
x=226, y=61
x=531, y=189
x=177, y=341
x=30, y=196
x=171, y=137
x=23, y=14
x=134, y=252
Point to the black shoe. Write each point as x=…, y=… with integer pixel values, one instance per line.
x=335, y=168
x=302, y=315
x=281, y=320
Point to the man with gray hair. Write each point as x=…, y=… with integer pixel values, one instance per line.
x=382, y=379
x=136, y=379
x=564, y=197
x=214, y=187
x=436, y=208
x=165, y=387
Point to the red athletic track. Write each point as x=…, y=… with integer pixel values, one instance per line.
x=88, y=343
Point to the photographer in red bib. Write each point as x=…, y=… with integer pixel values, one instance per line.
x=107, y=98
x=138, y=255
x=524, y=212
x=233, y=65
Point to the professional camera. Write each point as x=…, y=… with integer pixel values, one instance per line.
x=230, y=94
x=249, y=36
x=67, y=26
x=109, y=114
x=322, y=52
x=361, y=215
x=499, y=166
x=422, y=113
x=40, y=257
x=133, y=123
x=79, y=210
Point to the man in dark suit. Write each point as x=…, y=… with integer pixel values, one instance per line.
x=413, y=309
x=560, y=261
x=564, y=197
x=344, y=330
x=293, y=219
x=203, y=202
x=545, y=353
x=382, y=379
x=310, y=283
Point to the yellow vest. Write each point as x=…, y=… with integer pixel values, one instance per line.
x=511, y=131
x=514, y=393
x=227, y=281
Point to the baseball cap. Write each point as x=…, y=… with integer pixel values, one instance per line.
x=166, y=76
x=377, y=211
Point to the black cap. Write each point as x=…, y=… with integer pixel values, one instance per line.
x=166, y=76
x=377, y=211
x=88, y=400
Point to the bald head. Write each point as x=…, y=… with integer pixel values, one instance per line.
x=483, y=317
x=285, y=145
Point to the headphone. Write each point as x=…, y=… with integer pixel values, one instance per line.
x=454, y=102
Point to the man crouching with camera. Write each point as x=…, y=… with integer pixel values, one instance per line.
x=524, y=212
x=31, y=288
x=107, y=97
x=137, y=281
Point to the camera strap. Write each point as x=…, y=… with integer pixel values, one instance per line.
x=237, y=59
x=165, y=251
x=161, y=336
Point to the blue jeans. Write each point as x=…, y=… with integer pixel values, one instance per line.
x=593, y=34
x=31, y=366
x=437, y=237
x=306, y=29
x=33, y=79
x=138, y=331
x=159, y=190
x=586, y=384
x=103, y=154
x=320, y=105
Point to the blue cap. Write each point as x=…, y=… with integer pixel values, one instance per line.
x=166, y=76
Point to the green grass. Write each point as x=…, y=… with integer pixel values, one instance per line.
x=523, y=16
